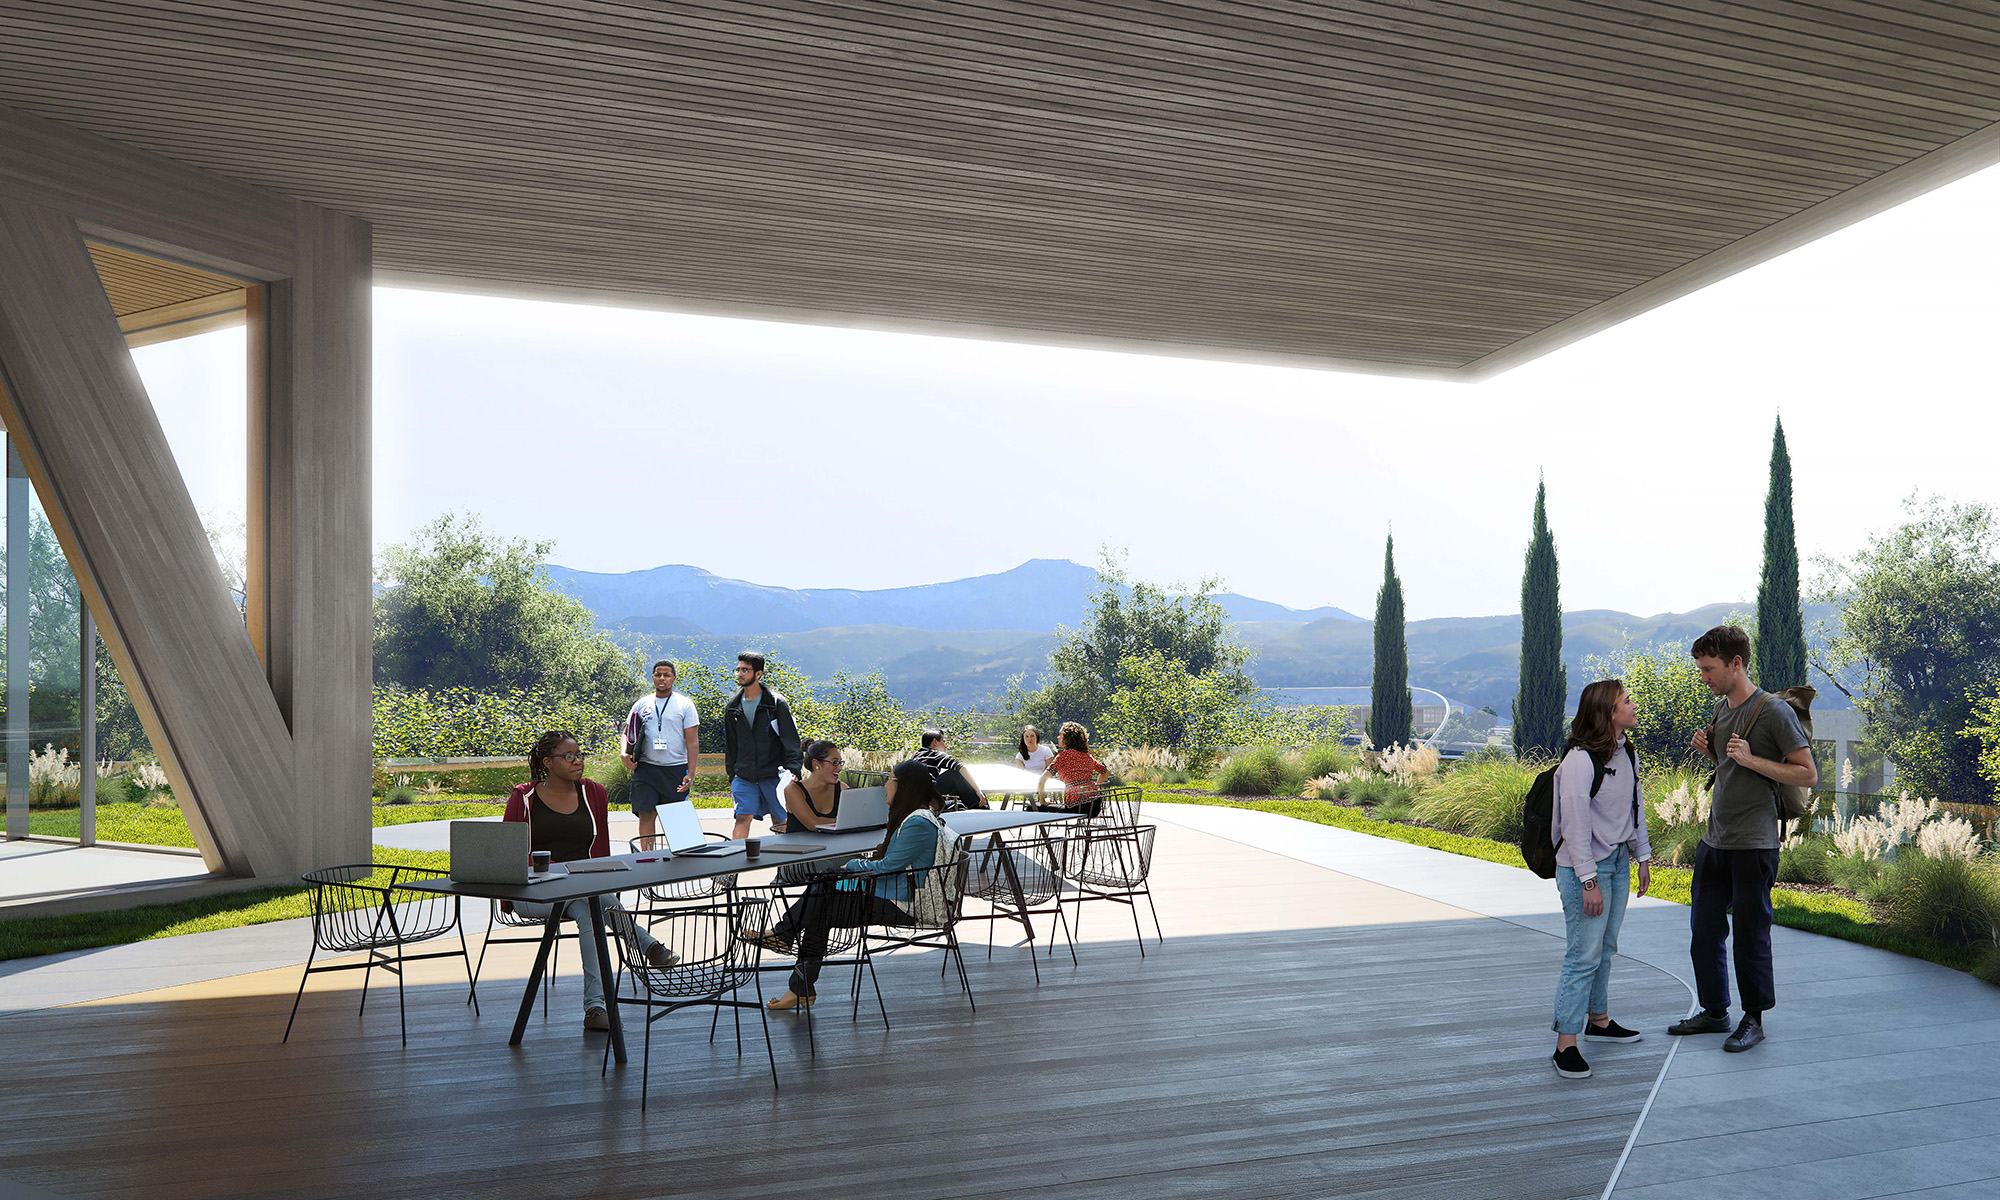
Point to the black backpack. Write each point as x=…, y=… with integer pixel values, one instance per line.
x=1538, y=834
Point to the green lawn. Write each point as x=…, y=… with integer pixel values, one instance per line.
x=30, y=936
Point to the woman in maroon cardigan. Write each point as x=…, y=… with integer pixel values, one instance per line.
x=569, y=817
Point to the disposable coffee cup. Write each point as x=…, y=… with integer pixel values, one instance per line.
x=540, y=861
x=752, y=847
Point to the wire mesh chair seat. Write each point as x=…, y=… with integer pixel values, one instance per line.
x=1019, y=879
x=713, y=963
x=361, y=909
x=937, y=895
x=864, y=779
x=502, y=916
x=1115, y=863
x=697, y=890
x=839, y=944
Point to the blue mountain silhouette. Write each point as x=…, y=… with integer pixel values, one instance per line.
x=1036, y=596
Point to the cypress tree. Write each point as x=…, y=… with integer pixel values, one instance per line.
x=1544, y=689
x=1389, y=700
x=1778, y=659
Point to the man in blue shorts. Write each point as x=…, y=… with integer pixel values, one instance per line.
x=662, y=745
x=758, y=739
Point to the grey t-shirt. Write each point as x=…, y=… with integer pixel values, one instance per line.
x=1744, y=812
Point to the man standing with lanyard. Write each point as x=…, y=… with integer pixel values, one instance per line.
x=758, y=738
x=662, y=745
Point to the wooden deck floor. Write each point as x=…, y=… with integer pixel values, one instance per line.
x=1301, y=1034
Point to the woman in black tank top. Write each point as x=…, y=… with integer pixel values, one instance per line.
x=821, y=766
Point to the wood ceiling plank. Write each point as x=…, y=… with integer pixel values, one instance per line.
x=1276, y=175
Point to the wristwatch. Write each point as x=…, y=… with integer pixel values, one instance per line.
x=1590, y=885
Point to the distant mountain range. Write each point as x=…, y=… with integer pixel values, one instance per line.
x=1034, y=597
x=958, y=643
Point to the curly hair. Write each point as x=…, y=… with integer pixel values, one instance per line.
x=544, y=750
x=1073, y=736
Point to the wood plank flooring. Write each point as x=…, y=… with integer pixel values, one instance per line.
x=1270, y=1049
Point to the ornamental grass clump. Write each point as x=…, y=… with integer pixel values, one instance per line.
x=1951, y=900
x=1479, y=799
x=53, y=780
x=1263, y=771
x=1147, y=764
x=1328, y=758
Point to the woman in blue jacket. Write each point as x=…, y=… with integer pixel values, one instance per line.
x=846, y=899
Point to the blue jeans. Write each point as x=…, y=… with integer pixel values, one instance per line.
x=1586, y=972
x=622, y=925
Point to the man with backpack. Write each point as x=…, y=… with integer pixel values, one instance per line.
x=1761, y=749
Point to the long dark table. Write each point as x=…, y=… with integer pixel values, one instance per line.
x=686, y=868
x=595, y=885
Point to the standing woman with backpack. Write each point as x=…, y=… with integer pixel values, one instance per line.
x=1600, y=832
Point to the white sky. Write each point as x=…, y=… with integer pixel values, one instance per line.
x=814, y=457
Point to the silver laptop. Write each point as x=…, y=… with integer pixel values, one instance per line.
x=680, y=827
x=494, y=852
x=860, y=809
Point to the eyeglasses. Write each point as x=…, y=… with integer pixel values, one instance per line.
x=571, y=757
x=835, y=763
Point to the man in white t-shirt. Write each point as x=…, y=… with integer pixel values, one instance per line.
x=661, y=746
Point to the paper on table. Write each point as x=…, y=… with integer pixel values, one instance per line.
x=598, y=864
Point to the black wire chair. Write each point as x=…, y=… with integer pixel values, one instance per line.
x=504, y=917
x=937, y=895
x=1108, y=805
x=1021, y=878
x=861, y=779
x=1114, y=863
x=360, y=909
x=690, y=890
x=715, y=964
x=841, y=945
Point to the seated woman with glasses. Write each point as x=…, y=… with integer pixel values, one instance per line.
x=842, y=900
x=812, y=800
x=568, y=816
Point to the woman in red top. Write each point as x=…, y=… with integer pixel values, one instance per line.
x=1078, y=771
x=568, y=816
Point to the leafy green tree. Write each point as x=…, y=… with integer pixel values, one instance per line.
x=1544, y=688
x=1672, y=701
x=711, y=684
x=1779, y=647
x=1919, y=640
x=1389, y=709
x=1127, y=621
x=859, y=712
x=462, y=608
x=1163, y=704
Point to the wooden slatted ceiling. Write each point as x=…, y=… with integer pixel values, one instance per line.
x=159, y=301
x=139, y=282
x=1412, y=187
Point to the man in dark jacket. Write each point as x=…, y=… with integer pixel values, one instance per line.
x=758, y=738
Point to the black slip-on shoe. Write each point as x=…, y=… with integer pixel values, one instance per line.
x=1701, y=1022
x=1569, y=1063
x=1747, y=1034
x=1611, y=1031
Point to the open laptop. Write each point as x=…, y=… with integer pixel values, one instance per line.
x=860, y=809
x=494, y=852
